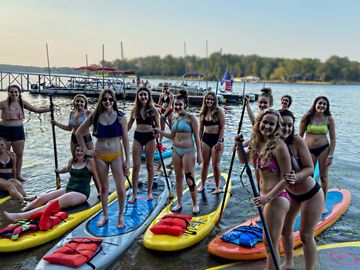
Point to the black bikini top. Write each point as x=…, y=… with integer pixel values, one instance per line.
x=7, y=165
x=210, y=122
x=141, y=121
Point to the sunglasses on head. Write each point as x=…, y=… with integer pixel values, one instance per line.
x=107, y=99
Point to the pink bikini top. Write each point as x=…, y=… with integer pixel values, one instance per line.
x=271, y=165
x=12, y=113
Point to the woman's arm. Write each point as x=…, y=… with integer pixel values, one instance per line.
x=62, y=126
x=249, y=111
x=331, y=125
x=305, y=159
x=131, y=121
x=156, y=116
x=125, y=142
x=66, y=168
x=302, y=127
x=195, y=127
x=82, y=131
x=32, y=108
x=201, y=129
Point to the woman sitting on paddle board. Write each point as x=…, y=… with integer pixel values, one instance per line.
x=269, y=154
x=7, y=171
x=317, y=123
x=112, y=145
x=11, y=124
x=145, y=115
x=77, y=116
x=185, y=136
x=165, y=104
x=212, y=126
x=77, y=190
x=305, y=194
x=265, y=101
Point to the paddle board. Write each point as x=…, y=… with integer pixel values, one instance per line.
x=337, y=202
x=137, y=218
x=165, y=154
x=77, y=215
x=4, y=196
x=337, y=256
x=201, y=224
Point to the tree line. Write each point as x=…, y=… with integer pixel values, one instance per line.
x=334, y=69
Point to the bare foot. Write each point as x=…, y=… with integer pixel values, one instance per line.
x=287, y=266
x=324, y=211
x=132, y=199
x=29, y=198
x=12, y=216
x=21, y=179
x=200, y=189
x=121, y=223
x=176, y=208
x=102, y=221
x=216, y=191
x=196, y=209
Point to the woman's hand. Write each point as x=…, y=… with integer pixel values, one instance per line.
x=292, y=178
x=219, y=146
x=328, y=161
x=91, y=153
x=199, y=158
x=239, y=138
x=261, y=200
x=126, y=167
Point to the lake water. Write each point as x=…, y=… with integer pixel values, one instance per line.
x=38, y=169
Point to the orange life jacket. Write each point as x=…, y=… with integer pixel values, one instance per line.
x=76, y=252
x=173, y=224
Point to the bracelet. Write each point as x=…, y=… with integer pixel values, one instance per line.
x=221, y=140
x=331, y=157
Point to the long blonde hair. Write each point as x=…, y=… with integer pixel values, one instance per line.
x=257, y=140
x=214, y=108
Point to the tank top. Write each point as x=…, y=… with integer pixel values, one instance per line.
x=79, y=181
x=110, y=131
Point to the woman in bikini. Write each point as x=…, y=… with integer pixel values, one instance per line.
x=77, y=190
x=11, y=124
x=265, y=101
x=286, y=102
x=212, y=126
x=165, y=104
x=111, y=147
x=146, y=117
x=270, y=156
x=77, y=116
x=184, y=131
x=7, y=171
x=317, y=123
x=305, y=195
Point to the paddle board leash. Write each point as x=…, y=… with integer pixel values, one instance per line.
x=256, y=194
x=163, y=164
x=58, y=181
x=232, y=159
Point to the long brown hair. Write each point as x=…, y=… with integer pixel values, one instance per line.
x=20, y=98
x=100, y=109
x=310, y=114
x=137, y=107
x=214, y=108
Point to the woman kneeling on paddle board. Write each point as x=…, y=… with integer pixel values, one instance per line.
x=212, y=127
x=76, y=192
x=304, y=193
x=270, y=156
x=112, y=145
x=7, y=171
x=317, y=123
x=184, y=132
x=145, y=115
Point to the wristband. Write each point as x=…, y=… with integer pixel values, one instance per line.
x=221, y=140
x=331, y=157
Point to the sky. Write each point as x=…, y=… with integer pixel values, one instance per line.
x=270, y=28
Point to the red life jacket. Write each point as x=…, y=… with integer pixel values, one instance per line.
x=76, y=252
x=26, y=226
x=173, y=224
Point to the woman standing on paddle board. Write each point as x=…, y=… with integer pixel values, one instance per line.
x=112, y=145
x=317, y=123
x=265, y=101
x=165, y=104
x=7, y=171
x=145, y=114
x=305, y=194
x=271, y=158
x=185, y=136
x=77, y=116
x=11, y=124
x=212, y=127
x=77, y=190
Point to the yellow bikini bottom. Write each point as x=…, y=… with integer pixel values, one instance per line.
x=108, y=158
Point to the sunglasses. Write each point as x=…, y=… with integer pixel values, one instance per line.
x=107, y=99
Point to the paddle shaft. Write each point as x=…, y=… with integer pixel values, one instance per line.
x=127, y=178
x=58, y=181
x=256, y=194
x=163, y=165
x=232, y=161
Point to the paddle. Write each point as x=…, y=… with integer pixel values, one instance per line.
x=58, y=181
x=163, y=164
x=256, y=194
x=127, y=178
x=232, y=160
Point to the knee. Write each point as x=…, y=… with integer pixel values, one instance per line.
x=306, y=237
x=136, y=167
x=324, y=179
x=190, y=181
x=149, y=166
x=205, y=163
